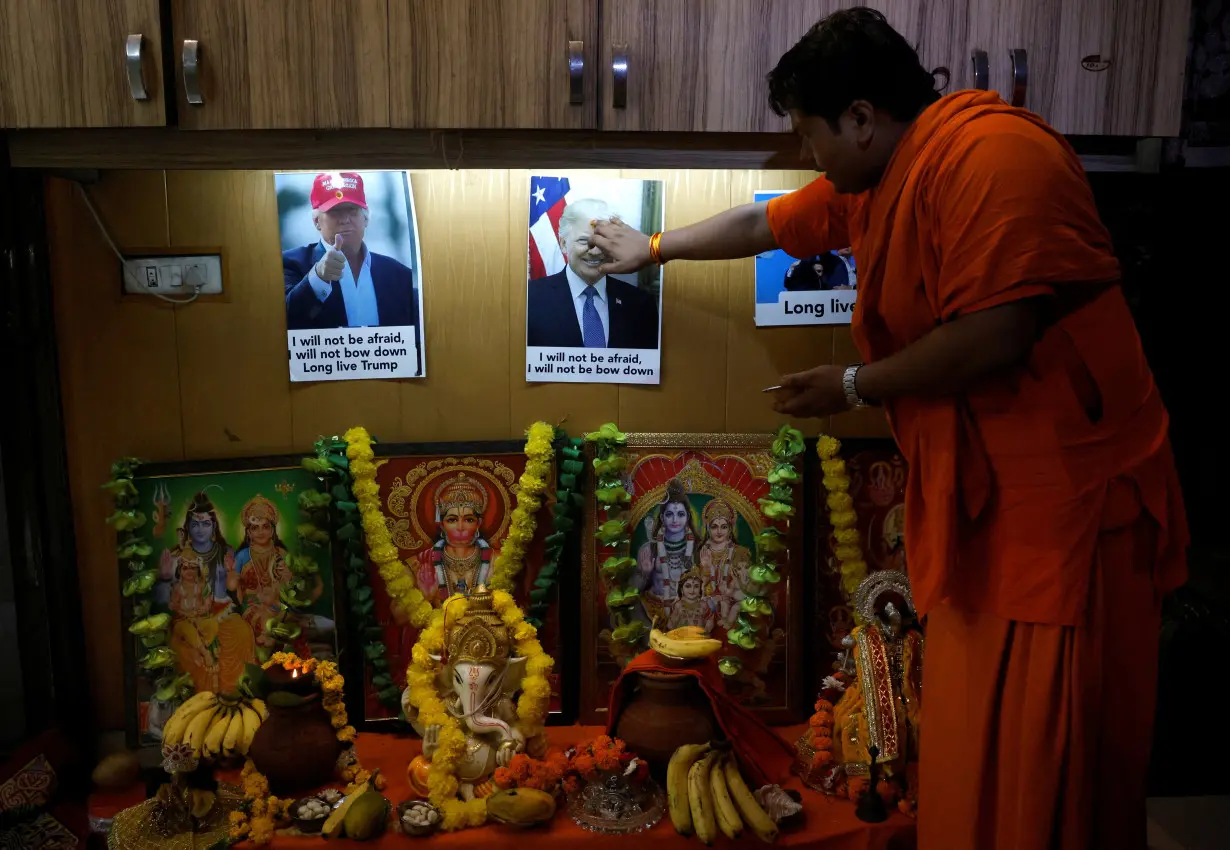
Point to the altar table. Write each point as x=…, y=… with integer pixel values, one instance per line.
x=828, y=824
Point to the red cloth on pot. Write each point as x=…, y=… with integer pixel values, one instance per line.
x=764, y=756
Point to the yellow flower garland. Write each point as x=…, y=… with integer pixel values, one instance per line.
x=532, y=485
x=331, y=683
x=849, y=548
x=404, y=596
x=442, y=782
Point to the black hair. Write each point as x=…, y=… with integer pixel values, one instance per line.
x=853, y=54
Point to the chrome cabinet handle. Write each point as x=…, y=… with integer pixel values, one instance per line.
x=132, y=61
x=576, y=73
x=619, y=71
x=1020, y=75
x=192, y=71
x=982, y=71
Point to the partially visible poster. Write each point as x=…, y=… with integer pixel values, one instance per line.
x=583, y=326
x=817, y=290
x=352, y=275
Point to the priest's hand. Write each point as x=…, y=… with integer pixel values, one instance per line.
x=816, y=392
x=627, y=247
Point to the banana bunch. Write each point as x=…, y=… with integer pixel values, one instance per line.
x=687, y=642
x=215, y=724
x=707, y=794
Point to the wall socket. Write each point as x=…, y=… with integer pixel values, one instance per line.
x=173, y=274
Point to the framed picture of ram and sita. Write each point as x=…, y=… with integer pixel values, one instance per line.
x=218, y=546
x=692, y=523
x=448, y=508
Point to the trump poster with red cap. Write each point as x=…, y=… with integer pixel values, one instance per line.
x=352, y=275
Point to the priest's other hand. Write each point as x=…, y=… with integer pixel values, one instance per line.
x=627, y=247
x=816, y=392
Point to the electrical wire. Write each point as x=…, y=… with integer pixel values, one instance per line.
x=102, y=228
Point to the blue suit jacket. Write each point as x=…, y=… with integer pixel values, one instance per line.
x=551, y=317
x=396, y=300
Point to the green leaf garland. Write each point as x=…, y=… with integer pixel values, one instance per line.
x=755, y=609
x=618, y=566
x=569, y=478
x=157, y=663
x=334, y=508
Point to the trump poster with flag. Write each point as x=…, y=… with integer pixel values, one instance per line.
x=581, y=324
x=351, y=273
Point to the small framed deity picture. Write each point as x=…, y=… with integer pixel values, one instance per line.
x=691, y=528
x=449, y=508
x=877, y=474
x=219, y=545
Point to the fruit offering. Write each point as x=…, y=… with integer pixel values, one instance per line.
x=707, y=795
x=362, y=816
x=215, y=724
x=521, y=807
x=684, y=643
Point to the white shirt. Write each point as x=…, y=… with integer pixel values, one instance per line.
x=600, y=303
x=358, y=296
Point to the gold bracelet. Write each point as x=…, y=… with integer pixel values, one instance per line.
x=655, y=248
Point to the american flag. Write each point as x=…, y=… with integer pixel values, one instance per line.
x=548, y=197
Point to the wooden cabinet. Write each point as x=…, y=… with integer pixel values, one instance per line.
x=696, y=65
x=65, y=63
x=1087, y=66
x=1096, y=67
x=266, y=64
x=518, y=64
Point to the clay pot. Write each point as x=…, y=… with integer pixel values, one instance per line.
x=296, y=748
x=664, y=712
x=286, y=680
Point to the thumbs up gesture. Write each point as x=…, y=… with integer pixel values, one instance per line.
x=330, y=266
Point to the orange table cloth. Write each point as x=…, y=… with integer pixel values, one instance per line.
x=828, y=824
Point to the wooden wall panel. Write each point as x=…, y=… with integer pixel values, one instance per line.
x=466, y=299
x=758, y=357
x=690, y=397
x=235, y=389
x=119, y=384
x=210, y=379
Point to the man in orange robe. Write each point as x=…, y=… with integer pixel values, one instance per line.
x=1043, y=514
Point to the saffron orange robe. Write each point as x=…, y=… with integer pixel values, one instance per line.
x=1043, y=513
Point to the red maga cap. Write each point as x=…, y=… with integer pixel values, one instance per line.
x=333, y=188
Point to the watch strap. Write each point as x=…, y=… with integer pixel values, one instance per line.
x=849, y=385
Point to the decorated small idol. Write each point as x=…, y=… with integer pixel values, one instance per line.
x=469, y=665
x=873, y=708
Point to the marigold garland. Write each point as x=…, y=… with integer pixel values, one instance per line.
x=569, y=481
x=261, y=812
x=842, y=517
x=539, y=455
x=333, y=512
x=331, y=683
x=421, y=680
x=404, y=596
